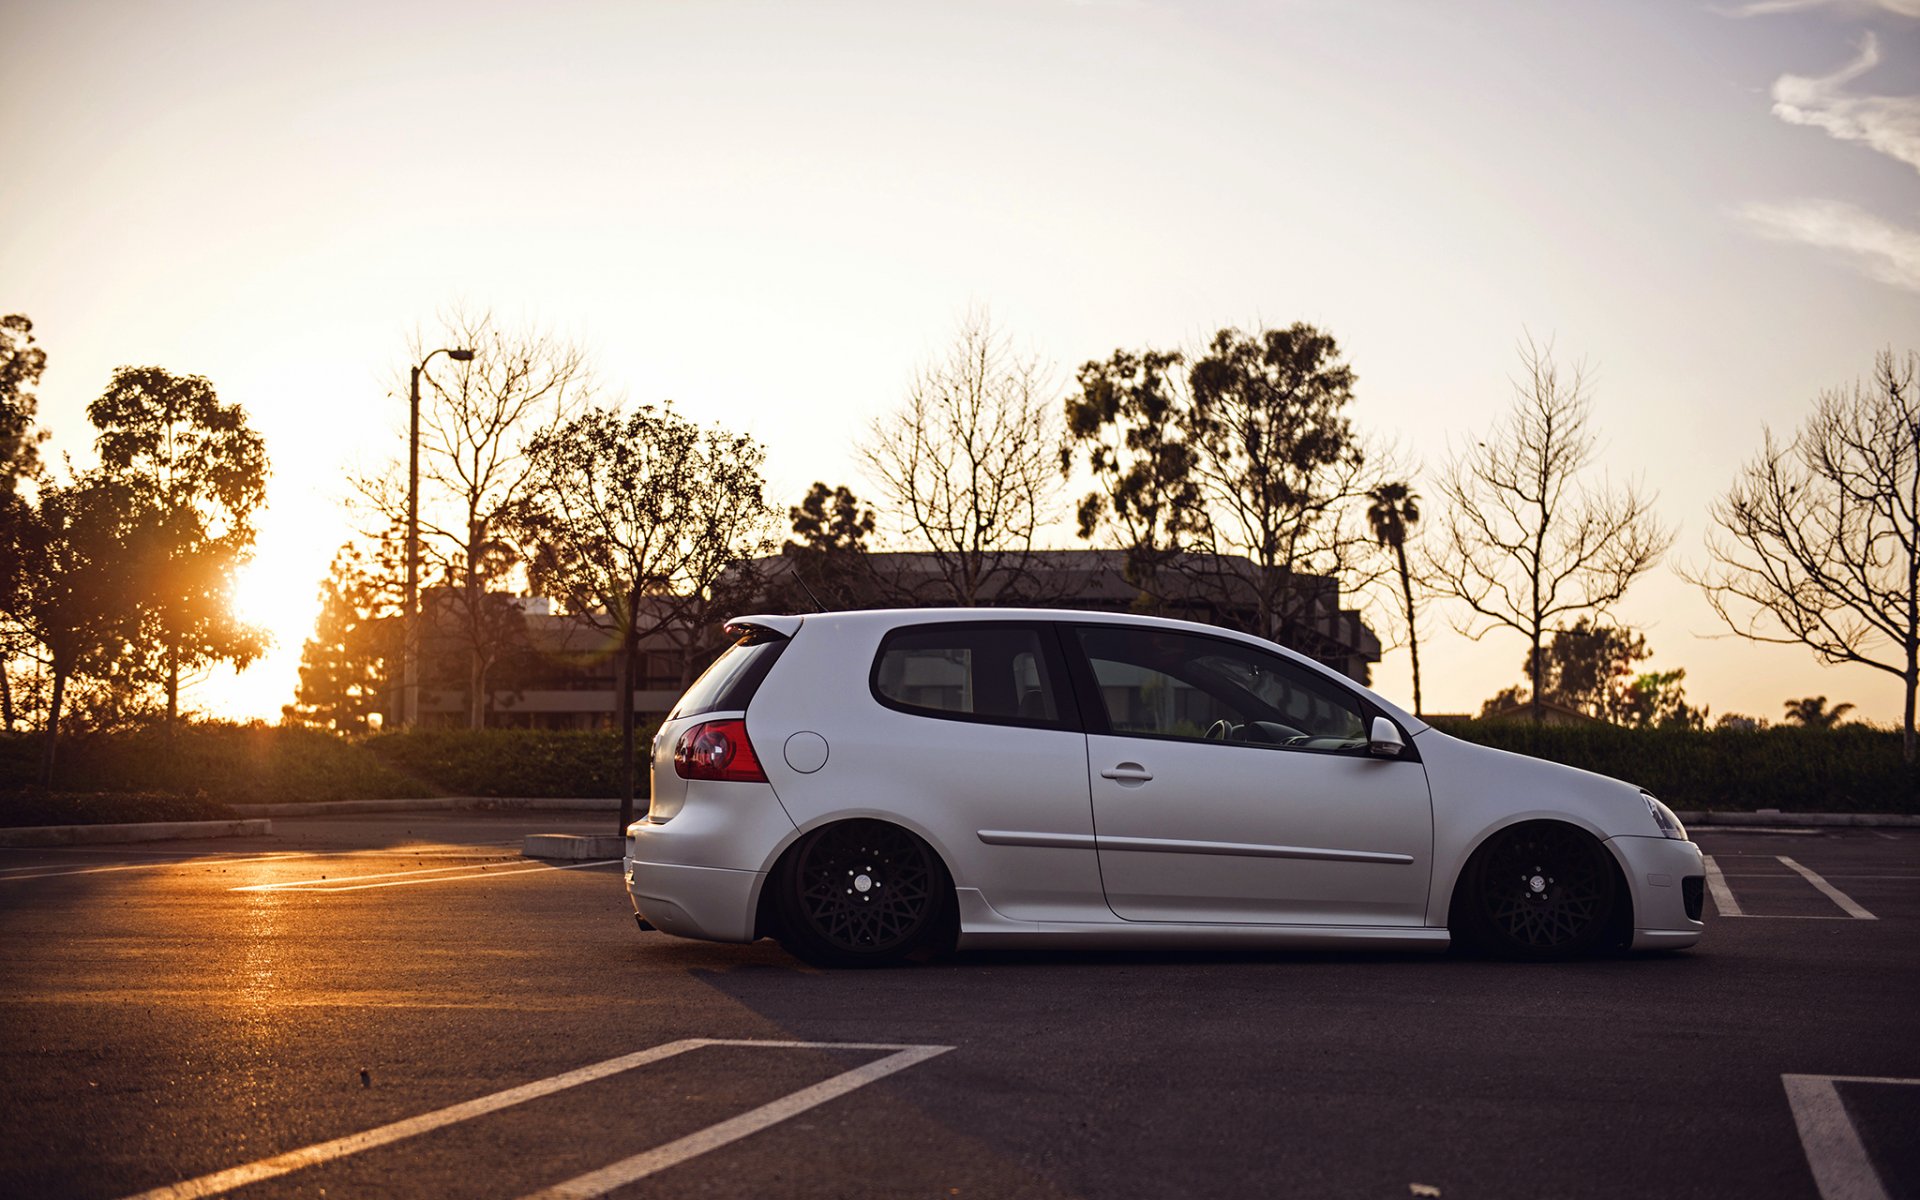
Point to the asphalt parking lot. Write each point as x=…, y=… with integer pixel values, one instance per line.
x=402, y=1006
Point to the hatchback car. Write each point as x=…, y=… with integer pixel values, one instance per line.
x=864, y=785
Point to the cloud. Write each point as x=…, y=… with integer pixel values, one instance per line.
x=1880, y=248
x=1764, y=8
x=1889, y=124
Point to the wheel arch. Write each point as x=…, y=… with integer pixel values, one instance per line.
x=1623, y=914
x=765, y=923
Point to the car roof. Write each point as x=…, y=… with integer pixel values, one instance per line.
x=890, y=618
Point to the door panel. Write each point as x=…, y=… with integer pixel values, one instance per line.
x=1242, y=833
x=1232, y=784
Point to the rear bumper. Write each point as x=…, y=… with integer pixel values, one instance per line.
x=1655, y=868
x=696, y=902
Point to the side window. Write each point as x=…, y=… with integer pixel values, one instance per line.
x=1160, y=683
x=983, y=672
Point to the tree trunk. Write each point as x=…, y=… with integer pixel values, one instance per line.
x=1533, y=678
x=173, y=685
x=476, y=691
x=1906, y=731
x=623, y=677
x=6, y=697
x=1413, y=634
x=53, y=727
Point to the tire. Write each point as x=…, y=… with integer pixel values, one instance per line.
x=860, y=894
x=1539, y=891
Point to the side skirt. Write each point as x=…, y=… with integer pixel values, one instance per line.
x=983, y=927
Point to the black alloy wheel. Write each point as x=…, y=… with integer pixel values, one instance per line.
x=861, y=893
x=1541, y=891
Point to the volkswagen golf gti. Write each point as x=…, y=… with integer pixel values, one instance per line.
x=868, y=785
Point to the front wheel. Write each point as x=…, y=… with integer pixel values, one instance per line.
x=860, y=894
x=1539, y=891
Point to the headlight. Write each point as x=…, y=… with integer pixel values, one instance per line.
x=1664, y=817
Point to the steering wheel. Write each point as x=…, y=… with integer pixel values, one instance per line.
x=1220, y=731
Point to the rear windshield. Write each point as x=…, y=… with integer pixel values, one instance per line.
x=729, y=684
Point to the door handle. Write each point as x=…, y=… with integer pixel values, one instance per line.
x=1127, y=773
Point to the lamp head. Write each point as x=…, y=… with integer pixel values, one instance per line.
x=460, y=355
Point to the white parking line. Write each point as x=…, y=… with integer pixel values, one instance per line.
x=1831, y=892
x=1841, y=1168
x=598, y=1183
x=49, y=870
x=687, y=1147
x=346, y=882
x=1723, y=901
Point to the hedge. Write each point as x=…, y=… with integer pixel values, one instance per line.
x=1851, y=769
x=248, y=764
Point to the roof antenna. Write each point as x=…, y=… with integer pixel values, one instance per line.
x=795, y=568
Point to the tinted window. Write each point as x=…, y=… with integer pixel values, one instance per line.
x=731, y=681
x=1160, y=683
x=984, y=672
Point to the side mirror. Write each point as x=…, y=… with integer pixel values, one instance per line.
x=1384, y=739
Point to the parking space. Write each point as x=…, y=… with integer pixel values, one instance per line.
x=402, y=1006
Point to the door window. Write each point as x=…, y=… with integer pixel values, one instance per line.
x=983, y=672
x=1160, y=683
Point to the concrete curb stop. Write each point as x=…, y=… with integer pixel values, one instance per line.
x=1771, y=817
x=151, y=831
x=322, y=808
x=582, y=846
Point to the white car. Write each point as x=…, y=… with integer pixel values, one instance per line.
x=862, y=785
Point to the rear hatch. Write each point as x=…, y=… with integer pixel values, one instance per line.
x=723, y=690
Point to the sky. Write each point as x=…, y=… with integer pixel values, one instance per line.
x=771, y=213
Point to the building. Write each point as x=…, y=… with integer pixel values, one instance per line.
x=557, y=670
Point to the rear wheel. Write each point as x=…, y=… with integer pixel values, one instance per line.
x=860, y=893
x=1542, y=890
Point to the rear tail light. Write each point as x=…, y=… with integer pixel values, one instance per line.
x=717, y=750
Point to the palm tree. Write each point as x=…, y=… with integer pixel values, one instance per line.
x=1813, y=713
x=1393, y=514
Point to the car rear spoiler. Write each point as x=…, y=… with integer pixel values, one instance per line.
x=782, y=627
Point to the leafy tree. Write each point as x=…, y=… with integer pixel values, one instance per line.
x=968, y=463
x=1657, y=700
x=1279, y=467
x=1527, y=544
x=1812, y=712
x=346, y=666
x=1125, y=424
x=1591, y=667
x=198, y=474
x=631, y=520
x=21, y=364
x=73, y=544
x=1392, y=513
x=1818, y=542
x=827, y=556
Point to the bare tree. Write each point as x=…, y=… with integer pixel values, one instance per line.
x=1819, y=538
x=475, y=420
x=968, y=463
x=1526, y=543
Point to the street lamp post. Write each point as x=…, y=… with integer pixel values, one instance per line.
x=410, y=670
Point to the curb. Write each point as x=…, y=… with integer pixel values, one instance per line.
x=152, y=831
x=1772, y=817
x=573, y=845
x=319, y=808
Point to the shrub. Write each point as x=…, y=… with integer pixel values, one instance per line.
x=1851, y=769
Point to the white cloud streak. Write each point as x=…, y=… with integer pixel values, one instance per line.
x=1766, y=8
x=1889, y=124
x=1881, y=249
